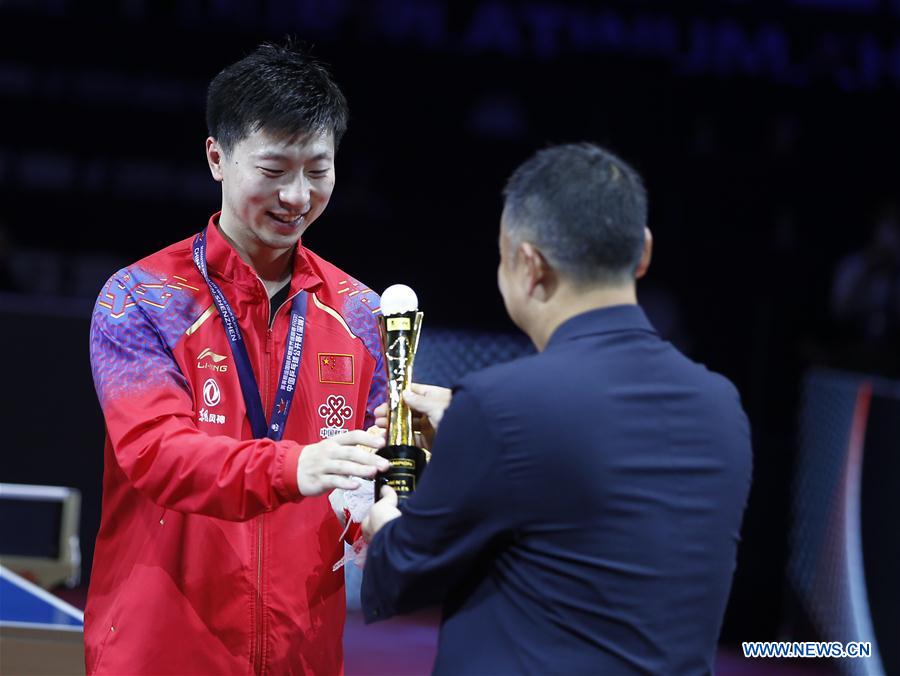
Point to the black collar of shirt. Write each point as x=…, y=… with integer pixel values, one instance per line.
x=277, y=301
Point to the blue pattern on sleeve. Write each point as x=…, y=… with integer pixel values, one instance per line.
x=137, y=320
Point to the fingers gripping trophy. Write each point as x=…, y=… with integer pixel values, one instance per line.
x=400, y=323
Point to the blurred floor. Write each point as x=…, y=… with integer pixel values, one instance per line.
x=401, y=646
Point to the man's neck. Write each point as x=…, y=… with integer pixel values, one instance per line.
x=273, y=266
x=570, y=302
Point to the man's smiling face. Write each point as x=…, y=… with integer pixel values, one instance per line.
x=273, y=188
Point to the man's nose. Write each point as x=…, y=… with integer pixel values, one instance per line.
x=295, y=194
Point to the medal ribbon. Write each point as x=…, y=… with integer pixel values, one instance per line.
x=289, y=367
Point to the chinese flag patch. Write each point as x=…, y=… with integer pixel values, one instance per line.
x=336, y=368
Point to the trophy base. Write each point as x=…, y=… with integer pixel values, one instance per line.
x=407, y=465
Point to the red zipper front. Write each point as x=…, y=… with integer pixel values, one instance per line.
x=258, y=658
x=258, y=639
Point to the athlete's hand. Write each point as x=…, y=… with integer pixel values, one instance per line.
x=333, y=463
x=428, y=403
x=382, y=511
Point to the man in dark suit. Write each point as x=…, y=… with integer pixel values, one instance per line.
x=582, y=510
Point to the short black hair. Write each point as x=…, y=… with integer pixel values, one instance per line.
x=583, y=207
x=279, y=88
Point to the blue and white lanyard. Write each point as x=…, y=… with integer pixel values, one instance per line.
x=289, y=368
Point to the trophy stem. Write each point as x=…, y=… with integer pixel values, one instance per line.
x=401, y=432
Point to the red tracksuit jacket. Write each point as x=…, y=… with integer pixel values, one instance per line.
x=208, y=560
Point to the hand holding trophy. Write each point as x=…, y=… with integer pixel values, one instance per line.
x=400, y=323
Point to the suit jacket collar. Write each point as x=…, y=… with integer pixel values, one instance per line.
x=223, y=261
x=604, y=320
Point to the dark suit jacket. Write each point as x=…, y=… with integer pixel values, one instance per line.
x=581, y=513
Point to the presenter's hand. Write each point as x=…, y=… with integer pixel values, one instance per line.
x=332, y=463
x=428, y=403
x=381, y=512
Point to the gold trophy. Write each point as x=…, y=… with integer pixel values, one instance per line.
x=400, y=323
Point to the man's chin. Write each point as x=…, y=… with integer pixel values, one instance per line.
x=282, y=238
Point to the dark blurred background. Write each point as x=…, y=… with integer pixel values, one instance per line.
x=767, y=134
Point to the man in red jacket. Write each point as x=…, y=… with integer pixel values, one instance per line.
x=235, y=369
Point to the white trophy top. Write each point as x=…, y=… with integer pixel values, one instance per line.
x=398, y=298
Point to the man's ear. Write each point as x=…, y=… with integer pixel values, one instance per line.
x=215, y=157
x=646, y=255
x=538, y=275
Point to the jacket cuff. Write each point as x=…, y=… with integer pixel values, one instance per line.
x=286, y=475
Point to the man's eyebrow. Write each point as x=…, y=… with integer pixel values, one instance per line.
x=270, y=155
x=276, y=155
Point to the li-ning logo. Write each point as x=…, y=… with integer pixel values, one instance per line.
x=212, y=395
x=335, y=411
x=210, y=360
